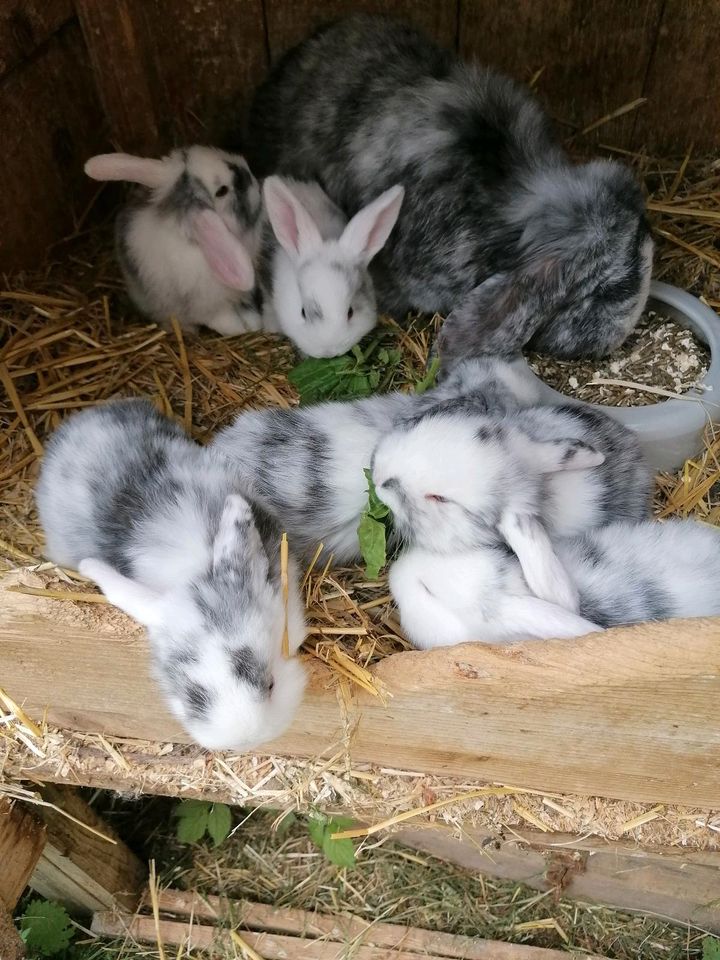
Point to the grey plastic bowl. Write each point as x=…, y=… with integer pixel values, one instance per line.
x=670, y=431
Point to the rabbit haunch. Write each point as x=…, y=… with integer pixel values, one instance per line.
x=315, y=278
x=187, y=248
x=162, y=526
x=498, y=231
x=624, y=573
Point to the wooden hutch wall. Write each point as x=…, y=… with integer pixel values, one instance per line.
x=79, y=75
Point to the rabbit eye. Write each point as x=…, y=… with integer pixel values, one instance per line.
x=435, y=498
x=303, y=313
x=350, y=313
x=222, y=191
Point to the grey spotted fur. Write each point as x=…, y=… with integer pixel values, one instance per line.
x=498, y=230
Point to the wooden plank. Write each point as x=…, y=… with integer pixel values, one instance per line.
x=272, y=946
x=22, y=838
x=674, y=884
x=123, y=73
x=52, y=122
x=683, y=81
x=289, y=23
x=593, y=57
x=341, y=928
x=26, y=24
x=620, y=714
x=80, y=869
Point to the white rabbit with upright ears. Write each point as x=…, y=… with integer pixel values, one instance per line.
x=162, y=526
x=320, y=288
x=187, y=249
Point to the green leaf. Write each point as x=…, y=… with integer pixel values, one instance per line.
x=316, y=828
x=711, y=948
x=219, y=822
x=371, y=535
x=321, y=828
x=340, y=852
x=192, y=820
x=430, y=377
x=375, y=508
x=46, y=928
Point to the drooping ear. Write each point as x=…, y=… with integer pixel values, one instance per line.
x=543, y=570
x=368, y=230
x=552, y=456
x=237, y=549
x=295, y=229
x=225, y=255
x=141, y=603
x=123, y=166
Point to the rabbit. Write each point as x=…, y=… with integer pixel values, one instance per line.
x=498, y=231
x=305, y=466
x=161, y=525
x=319, y=286
x=187, y=248
x=455, y=480
x=624, y=573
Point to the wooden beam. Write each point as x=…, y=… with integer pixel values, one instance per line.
x=22, y=839
x=621, y=714
x=79, y=867
x=25, y=25
x=676, y=884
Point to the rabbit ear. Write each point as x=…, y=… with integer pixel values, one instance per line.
x=226, y=256
x=544, y=573
x=295, y=229
x=552, y=456
x=368, y=230
x=237, y=549
x=141, y=603
x=537, y=618
x=123, y=166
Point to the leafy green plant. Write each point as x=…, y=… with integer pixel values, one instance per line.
x=195, y=818
x=711, y=948
x=359, y=373
x=375, y=522
x=428, y=381
x=45, y=928
x=321, y=829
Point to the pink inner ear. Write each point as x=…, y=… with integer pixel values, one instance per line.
x=293, y=226
x=225, y=255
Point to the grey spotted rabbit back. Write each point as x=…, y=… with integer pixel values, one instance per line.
x=498, y=230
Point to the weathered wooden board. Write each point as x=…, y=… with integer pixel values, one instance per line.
x=288, y=23
x=22, y=838
x=26, y=24
x=593, y=56
x=626, y=714
x=683, y=80
x=51, y=121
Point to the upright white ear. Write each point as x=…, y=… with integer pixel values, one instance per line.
x=140, y=602
x=225, y=255
x=295, y=229
x=368, y=230
x=123, y=166
x=237, y=549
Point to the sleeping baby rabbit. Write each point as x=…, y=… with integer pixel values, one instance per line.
x=161, y=525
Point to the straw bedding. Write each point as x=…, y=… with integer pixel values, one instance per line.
x=69, y=339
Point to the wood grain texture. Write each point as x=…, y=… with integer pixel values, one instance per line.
x=80, y=869
x=677, y=884
x=683, y=81
x=123, y=73
x=625, y=714
x=52, y=122
x=26, y=24
x=593, y=56
x=22, y=838
x=289, y=23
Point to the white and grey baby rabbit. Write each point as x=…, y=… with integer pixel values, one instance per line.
x=187, y=249
x=624, y=573
x=455, y=480
x=160, y=525
x=317, y=280
x=305, y=466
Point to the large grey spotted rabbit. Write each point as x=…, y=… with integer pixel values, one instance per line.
x=187, y=247
x=161, y=525
x=624, y=573
x=498, y=230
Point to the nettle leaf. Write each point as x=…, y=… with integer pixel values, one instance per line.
x=339, y=852
x=45, y=928
x=316, y=829
x=192, y=820
x=219, y=822
x=373, y=546
x=711, y=948
x=376, y=508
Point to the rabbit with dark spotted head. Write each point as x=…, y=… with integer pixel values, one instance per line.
x=498, y=230
x=162, y=526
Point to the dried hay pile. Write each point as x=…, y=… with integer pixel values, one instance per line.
x=69, y=340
